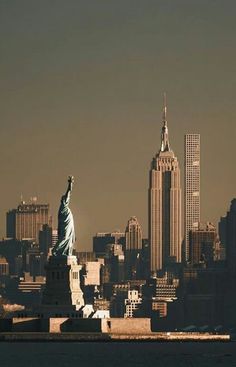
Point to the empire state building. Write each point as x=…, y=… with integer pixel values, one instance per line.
x=164, y=207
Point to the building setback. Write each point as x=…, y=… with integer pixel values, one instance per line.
x=164, y=206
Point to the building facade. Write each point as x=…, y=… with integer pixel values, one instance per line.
x=203, y=243
x=125, y=302
x=230, y=237
x=191, y=187
x=132, y=303
x=4, y=266
x=27, y=220
x=133, y=235
x=133, y=248
x=45, y=239
x=102, y=239
x=164, y=206
x=115, y=263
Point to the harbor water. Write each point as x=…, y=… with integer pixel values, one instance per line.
x=112, y=354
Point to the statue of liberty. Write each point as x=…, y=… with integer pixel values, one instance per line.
x=66, y=231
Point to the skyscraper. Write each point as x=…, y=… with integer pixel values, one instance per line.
x=45, y=239
x=203, y=243
x=164, y=205
x=27, y=220
x=133, y=248
x=133, y=235
x=230, y=237
x=191, y=187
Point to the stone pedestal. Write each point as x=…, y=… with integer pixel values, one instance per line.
x=63, y=283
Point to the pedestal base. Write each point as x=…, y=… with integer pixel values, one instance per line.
x=63, y=283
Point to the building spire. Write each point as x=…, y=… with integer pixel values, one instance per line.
x=165, y=145
x=164, y=108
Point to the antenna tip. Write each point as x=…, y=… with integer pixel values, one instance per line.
x=164, y=98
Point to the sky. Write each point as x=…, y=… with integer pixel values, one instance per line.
x=81, y=93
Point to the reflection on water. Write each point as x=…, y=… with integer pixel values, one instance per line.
x=117, y=354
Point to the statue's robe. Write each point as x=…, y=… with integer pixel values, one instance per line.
x=66, y=231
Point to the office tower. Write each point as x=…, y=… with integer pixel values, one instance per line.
x=230, y=237
x=116, y=262
x=35, y=262
x=222, y=236
x=191, y=187
x=145, y=259
x=203, y=242
x=15, y=252
x=133, y=235
x=222, y=231
x=102, y=239
x=164, y=205
x=203, y=292
x=45, y=239
x=133, y=248
x=27, y=220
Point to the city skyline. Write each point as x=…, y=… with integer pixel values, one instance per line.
x=91, y=79
x=118, y=205
x=34, y=199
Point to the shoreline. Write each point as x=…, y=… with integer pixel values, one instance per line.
x=108, y=337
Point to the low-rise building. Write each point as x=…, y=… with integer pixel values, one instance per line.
x=132, y=303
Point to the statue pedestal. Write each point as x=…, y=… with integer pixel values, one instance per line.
x=62, y=289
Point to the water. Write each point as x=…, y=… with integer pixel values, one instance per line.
x=114, y=354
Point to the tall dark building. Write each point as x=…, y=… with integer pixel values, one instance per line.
x=133, y=248
x=203, y=295
x=45, y=239
x=27, y=220
x=202, y=244
x=230, y=237
x=102, y=239
x=222, y=230
x=116, y=261
x=15, y=252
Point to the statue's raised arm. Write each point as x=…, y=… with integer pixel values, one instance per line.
x=69, y=189
x=66, y=231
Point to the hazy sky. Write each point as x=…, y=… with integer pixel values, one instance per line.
x=81, y=93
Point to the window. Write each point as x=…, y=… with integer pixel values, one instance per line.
x=75, y=275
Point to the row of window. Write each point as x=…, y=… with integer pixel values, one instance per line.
x=61, y=275
x=58, y=275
